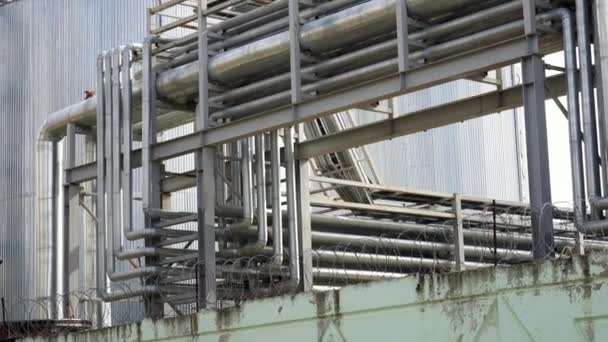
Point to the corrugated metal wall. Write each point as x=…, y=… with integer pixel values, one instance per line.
x=479, y=157
x=47, y=45
x=47, y=60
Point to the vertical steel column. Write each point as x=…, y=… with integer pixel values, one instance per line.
x=100, y=261
x=536, y=139
x=302, y=187
x=588, y=104
x=458, y=237
x=70, y=197
x=127, y=143
x=403, y=49
x=304, y=225
x=205, y=177
x=151, y=194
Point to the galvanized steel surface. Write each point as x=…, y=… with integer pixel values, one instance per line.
x=49, y=61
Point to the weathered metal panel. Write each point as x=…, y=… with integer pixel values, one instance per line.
x=491, y=304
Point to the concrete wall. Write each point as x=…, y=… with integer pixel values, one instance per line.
x=562, y=300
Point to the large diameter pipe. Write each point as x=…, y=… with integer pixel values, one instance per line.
x=588, y=104
x=354, y=24
x=350, y=26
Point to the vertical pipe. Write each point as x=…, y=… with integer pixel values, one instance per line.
x=68, y=193
x=100, y=185
x=110, y=262
x=116, y=123
x=600, y=10
x=292, y=220
x=127, y=144
x=55, y=228
x=588, y=104
x=260, y=150
x=574, y=123
x=277, y=221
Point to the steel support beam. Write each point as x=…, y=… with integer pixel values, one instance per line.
x=423, y=120
x=303, y=214
x=70, y=219
x=536, y=139
x=205, y=177
x=151, y=170
x=429, y=75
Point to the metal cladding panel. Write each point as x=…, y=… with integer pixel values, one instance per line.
x=476, y=157
x=47, y=45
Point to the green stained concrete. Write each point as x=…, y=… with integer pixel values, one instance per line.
x=564, y=300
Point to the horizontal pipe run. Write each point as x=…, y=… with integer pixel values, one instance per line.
x=180, y=83
x=392, y=261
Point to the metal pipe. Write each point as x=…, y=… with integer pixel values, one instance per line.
x=393, y=261
x=354, y=23
x=344, y=28
x=100, y=261
x=109, y=222
x=600, y=9
x=588, y=104
x=576, y=157
x=277, y=220
x=384, y=49
x=246, y=180
x=261, y=191
x=325, y=223
x=114, y=175
x=377, y=70
x=290, y=175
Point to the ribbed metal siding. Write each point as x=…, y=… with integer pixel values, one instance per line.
x=48, y=45
x=477, y=157
x=49, y=52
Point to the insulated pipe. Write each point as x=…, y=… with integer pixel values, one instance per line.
x=344, y=28
x=246, y=179
x=290, y=175
x=574, y=120
x=260, y=162
x=388, y=48
x=379, y=69
x=277, y=220
x=332, y=29
x=325, y=223
x=101, y=228
x=263, y=30
x=348, y=258
x=588, y=104
x=380, y=243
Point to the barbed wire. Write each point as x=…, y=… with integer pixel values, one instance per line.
x=361, y=250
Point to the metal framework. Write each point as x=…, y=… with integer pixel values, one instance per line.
x=288, y=112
